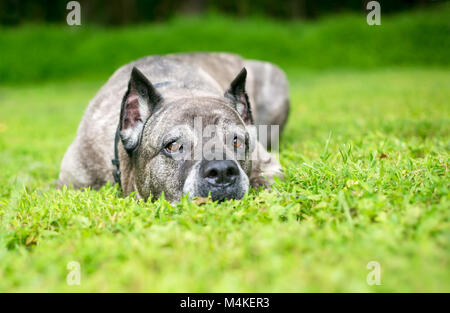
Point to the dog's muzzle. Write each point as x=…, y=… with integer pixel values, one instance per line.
x=221, y=179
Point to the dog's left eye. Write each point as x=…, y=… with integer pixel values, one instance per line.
x=173, y=147
x=237, y=143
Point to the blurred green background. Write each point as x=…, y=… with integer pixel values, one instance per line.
x=365, y=150
x=37, y=44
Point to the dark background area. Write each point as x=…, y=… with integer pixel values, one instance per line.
x=120, y=12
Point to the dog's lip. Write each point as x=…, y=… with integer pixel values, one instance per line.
x=221, y=192
x=221, y=185
x=226, y=196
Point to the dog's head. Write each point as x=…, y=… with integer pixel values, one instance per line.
x=195, y=145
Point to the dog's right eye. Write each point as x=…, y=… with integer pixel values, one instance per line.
x=173, y=147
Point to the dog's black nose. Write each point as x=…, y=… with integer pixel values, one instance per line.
x=218, y=173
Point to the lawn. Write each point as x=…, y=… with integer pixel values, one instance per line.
x=365, y=155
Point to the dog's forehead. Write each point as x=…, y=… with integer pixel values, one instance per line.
x=207, y=111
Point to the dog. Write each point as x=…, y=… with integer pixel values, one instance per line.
x=144, y=127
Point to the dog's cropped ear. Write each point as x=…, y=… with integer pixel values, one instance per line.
x=236, y=92
x=137, y=105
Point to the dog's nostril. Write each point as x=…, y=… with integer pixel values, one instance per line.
x=212, y=173
x=231, y=171
x=220, y=172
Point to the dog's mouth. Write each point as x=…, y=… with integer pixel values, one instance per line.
x=222, y=193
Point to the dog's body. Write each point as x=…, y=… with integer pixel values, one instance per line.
x=183, y=86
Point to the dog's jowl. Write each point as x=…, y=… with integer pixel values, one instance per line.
x=181, y=124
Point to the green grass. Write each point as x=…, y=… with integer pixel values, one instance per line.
x=341, y=205
x=365, y=152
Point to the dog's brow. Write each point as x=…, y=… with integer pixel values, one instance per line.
x=161, y=84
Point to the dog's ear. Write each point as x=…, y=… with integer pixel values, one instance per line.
x=236, y=92
x=137, y=105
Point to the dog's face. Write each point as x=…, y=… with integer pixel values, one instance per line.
x=198, y=146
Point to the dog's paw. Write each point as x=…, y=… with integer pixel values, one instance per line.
x=259, y=181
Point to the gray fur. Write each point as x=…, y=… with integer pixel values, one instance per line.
x=196, y=84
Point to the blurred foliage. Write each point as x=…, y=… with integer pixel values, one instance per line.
x=120, y=12
x=43, y=52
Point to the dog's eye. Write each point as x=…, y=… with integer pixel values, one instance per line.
x=174, y=147
x=237, y=143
